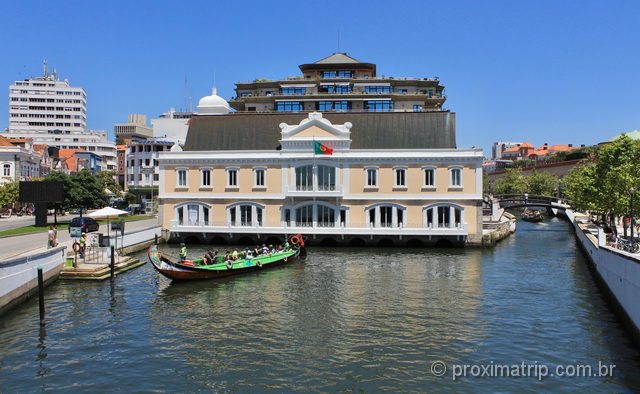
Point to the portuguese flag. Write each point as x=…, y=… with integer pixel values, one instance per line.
x=321, y=149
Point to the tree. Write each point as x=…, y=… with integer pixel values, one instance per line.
x=108, y=179
x=542, y=183
x=511, y=183
x=88, y=191
x=9, y=193
x=602, y=183
x=81, y=190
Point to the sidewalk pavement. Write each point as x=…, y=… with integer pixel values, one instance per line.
x=33, y=243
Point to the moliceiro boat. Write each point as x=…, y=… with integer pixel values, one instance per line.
x=218, y=267
x=532, y=216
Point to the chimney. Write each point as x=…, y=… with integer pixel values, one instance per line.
x=570, y=145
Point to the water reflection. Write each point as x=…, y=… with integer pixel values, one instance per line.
x=340, y=320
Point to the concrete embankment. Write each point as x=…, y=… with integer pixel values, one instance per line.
x=498, y=228
x=617, y=271
x=18, y=275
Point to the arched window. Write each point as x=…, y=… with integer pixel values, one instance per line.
x=245, y=214
x=386, y=215
x=315, y=177
x=193, y=214
x=313, y=214
x=443, y=216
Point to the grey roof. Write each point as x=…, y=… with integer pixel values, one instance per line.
x=386, y=130
x=339, y=58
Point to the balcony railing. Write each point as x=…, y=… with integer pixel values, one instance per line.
x=322, y=227
x=315, y=189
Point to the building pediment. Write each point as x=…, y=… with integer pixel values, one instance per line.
x=315, y=128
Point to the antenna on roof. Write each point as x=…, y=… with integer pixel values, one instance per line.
x=185, y=93
x=46, y=69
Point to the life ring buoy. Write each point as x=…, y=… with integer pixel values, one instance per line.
x=295, y=240
x=259, y=264
x=284, y=258
x=77, y=247
x=229, y=264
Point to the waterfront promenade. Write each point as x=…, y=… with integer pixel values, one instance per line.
x=22, y=256
x=20, y=245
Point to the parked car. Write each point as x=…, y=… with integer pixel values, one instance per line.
x=86, y=224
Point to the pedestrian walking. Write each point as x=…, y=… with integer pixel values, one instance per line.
x=526, y=198
x=50, y=238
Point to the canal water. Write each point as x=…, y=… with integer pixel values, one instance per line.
x=341, y=320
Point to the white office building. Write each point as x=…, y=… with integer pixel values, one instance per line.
x=54, y=113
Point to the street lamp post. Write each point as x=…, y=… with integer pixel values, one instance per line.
x=632, y=192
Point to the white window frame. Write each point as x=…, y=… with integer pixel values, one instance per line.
x=366, y=177
x=424, y=177
x=452, y=171
x=396, y=171
x=256, y=171
x=203, y=185
x=237, y=177
x=236, y=207
x=186, y=178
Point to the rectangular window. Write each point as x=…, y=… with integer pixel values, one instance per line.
x=340, y=106
x=304, y=178
x=232, y=177
x=372, y=177
x=378, y=106
x=294, y=90
x=401, y=177
x=378, y=89
x=289, y=106
x=456, y=177
x=259, y=177
x=429, y=177
x=206, y=177
x=182, y=178
x=417, y=108
x=337, y=74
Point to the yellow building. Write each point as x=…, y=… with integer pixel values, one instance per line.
x=402, y=197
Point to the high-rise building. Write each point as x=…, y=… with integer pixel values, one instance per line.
x=54, y=113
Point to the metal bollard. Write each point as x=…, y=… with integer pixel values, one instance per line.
x=41, y=294
x=113, y=262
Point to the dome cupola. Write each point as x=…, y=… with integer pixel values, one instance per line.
x=213, y=105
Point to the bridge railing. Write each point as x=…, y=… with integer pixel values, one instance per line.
x=531, y=200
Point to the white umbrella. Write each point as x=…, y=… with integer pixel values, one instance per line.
x=107, y=212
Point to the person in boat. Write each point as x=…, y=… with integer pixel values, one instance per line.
x=256, y=251
x=212, y=255
x=248, y=254
x=286, y=245
x=234, y=255
x=265, y=250
x=183, y=252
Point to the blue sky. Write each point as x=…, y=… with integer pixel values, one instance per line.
x=558, y=72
